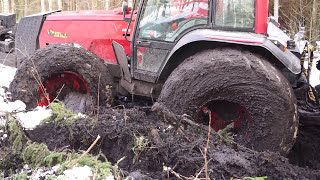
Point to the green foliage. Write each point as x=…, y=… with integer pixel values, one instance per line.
x=139, y=145
x=14, y=129
x=34, y=154
x=54, y=158
x=102, y=169
x=61, y=116
x=37, y=155
x=225, y=135
x=20, y=177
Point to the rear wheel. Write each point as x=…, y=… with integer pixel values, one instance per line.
x=240, y=87
x=63, y=72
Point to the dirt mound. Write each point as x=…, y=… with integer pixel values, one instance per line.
x=151, y=143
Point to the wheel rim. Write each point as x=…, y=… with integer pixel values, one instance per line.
x=55, y=84
x=224, y=113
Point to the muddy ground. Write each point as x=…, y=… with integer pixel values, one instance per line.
x=149, y=142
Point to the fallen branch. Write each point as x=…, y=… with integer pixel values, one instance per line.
x=86, y=152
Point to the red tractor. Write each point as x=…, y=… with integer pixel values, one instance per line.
x=191, y=55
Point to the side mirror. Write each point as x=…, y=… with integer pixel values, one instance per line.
x=124, y=10
x=124, y=7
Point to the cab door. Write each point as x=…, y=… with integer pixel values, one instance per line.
x=160, y=23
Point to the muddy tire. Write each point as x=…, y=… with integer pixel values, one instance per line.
x=56, y=58
x=240, y=77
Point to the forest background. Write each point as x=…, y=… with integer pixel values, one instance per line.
x=292, y=14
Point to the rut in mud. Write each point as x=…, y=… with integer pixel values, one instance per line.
x=148, y=142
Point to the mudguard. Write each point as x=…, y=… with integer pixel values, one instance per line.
x=27, y=35
x=244, y=38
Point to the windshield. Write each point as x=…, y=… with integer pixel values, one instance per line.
x=166, y=19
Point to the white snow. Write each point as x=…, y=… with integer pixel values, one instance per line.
x=77, y=173
x=315, y=73
x=7, y=74
x=31, y=119
x=17, y=109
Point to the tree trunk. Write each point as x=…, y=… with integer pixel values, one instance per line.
x=25, y=11
x=6, y=6
x=313, y=31
x=107, y=4
x=276, y=10
x=50, y=5
x=60, y=4
x=43, y=5
x=1, y=5
x=12, y=6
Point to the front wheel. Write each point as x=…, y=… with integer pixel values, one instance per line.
x=64, y=72
x=240, y=87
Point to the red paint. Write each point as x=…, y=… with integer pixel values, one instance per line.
x=235, y=40
x=93, y=30
x=54, y=84
x=261, y=22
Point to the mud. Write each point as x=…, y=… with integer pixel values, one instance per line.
x=165, y=145
x=241, y=77
x=58, y=58
x=305, y=152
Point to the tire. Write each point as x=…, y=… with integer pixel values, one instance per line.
x=239, y=77
x=58, y=58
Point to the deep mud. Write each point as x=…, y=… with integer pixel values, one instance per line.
x=177, y=146
x=305, y=152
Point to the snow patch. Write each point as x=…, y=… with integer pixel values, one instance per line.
x=7, y=74
x=31, y=119
x=315, y=73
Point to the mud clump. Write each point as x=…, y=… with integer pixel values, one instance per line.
x=150, y=143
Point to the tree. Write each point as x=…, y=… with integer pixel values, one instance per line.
x=6, y=6
x=43, y=5
x=60, y=4
x=276, y=10
x=50, y=5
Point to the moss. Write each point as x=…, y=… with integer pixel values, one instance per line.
x=37, y=155
x=102, y=169
x=14, y=129
x=139, y=145
x=61, y=116
x=54, y=158
x=34, y=154
x=20, y=177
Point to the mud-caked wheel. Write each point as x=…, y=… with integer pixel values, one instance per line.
x=240, y=87
x=65, y=72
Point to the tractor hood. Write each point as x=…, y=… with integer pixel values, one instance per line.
x=98, y=15
x=92, y=30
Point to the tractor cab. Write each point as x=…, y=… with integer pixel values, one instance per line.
x=163, y=27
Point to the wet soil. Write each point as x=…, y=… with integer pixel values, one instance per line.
x=179, y=146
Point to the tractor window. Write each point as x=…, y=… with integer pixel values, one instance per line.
x=166, y=19
x=235, y=13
